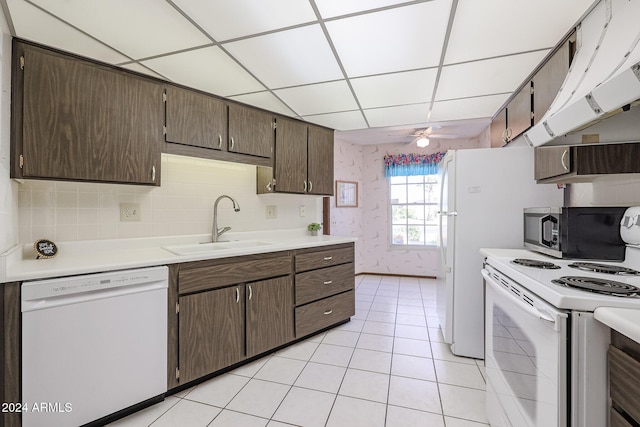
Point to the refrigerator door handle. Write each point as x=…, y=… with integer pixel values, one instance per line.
x=443, y=255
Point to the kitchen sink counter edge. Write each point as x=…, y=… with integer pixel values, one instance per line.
x=93, y=256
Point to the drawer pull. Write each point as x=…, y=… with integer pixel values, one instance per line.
x=328, y=258
x=250, y=293
x=237, y=295
x=328, y=312
x=328, y=282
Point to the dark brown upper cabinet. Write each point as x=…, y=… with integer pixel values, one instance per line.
x=584, y=163
x=548, y=80
x=251, y=131
x=303, y=161
x=73, y=119
x=196, y=119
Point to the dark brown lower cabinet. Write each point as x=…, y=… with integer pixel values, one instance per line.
x=269, y=314
x=10, y=351
x=624, y=381
x=211, y=331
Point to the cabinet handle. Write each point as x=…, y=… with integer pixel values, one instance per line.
x=232, y=144
x=328, y=282
x=305, y=186
x=250, y=293
x=269, y=186
x=562, y=159
x=328, y=258
x=219, y=141
x=310, y=186
x=153, y=173
x=237, y=295
x=328, y=312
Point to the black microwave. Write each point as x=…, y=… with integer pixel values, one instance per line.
x=575, y=232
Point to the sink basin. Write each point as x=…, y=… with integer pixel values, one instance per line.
x=197, y=248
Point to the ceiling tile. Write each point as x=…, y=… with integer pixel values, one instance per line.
x=491, y=76
x=288, y=58
x=265, y=100
x=332, y=8
x=319, y=98
x=140, y=28
x=391, y=40
x=394, y=116
x=224, y=19
x=411, y=87
x=33, y=24
x=134, y=66
x=347, y=120
x=488, y=28
x=208, y=69
x=469, y=108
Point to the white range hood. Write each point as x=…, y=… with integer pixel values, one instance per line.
x=604, y=75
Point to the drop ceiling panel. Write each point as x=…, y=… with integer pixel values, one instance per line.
x=333, y=8
x=225, y=20
x=139, y=29
x=288, y=58
x=470, y=108
x=491, y=76
x=347, y=120
x=411, y=87
x=208, y=69
x=393, y=116
x=319, y=98
x=488, y=28
x=33, y=24
x=391, y=40
x=134, y=66
x=265, y=100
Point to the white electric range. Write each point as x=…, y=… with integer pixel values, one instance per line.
x=545, y=352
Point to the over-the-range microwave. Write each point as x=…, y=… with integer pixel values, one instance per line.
x=575, y=232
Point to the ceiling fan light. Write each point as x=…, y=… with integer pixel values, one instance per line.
x=422, y=142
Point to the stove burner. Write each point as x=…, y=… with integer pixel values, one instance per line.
x=600, y=286
x=535, y=263
x=604, y=268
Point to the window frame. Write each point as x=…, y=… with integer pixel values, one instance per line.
x=432, y=179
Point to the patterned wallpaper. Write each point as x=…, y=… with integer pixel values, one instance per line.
x=369, y=221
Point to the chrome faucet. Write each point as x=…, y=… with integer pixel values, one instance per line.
x=216, y=232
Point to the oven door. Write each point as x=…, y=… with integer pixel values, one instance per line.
x=526, y=356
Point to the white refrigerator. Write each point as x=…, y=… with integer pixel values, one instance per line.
x=483, y=193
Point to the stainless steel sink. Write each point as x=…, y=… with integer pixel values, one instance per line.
x=198, y=248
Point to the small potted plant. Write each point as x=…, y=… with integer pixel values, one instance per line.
x=313, y=228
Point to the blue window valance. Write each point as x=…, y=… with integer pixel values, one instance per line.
x=412, y=164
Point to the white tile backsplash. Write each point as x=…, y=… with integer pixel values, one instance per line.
x=65, y=211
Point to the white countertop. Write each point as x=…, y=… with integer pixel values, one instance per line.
x=83, y=257
x=624, y=320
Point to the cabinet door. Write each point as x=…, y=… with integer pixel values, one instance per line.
x=519, y=112
x=498, y=129
x=320, y=161
x=547, y=81
x=211, y=331
x=269, y=314
x=250, y=131
x=83, y=121
x=291, y=156
x=195, y=119
x=552, y=161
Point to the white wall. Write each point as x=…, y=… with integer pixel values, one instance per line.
x=608, y=191
x=67, y=211
x=8, y=188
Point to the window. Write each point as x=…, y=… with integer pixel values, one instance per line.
x=414, y=207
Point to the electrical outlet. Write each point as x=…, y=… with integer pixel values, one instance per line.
x=303, y=211
x=271, y=212
x=130, y=212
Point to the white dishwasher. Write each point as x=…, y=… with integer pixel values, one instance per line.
x=92, y=345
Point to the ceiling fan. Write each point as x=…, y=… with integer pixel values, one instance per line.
x=423, y=137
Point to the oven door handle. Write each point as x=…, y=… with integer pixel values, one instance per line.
x=537, y=312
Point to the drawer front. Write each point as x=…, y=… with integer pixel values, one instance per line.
x=617, y=420
x=320, y=259
x=320, y=314
x=215, y=276
x=624, y=375
x=316, y=284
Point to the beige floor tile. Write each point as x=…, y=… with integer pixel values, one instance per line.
x=405, y=417
x=415, y=394
x=462, y=402
x=352, y=412
x=296, y=408
x=365, y=385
